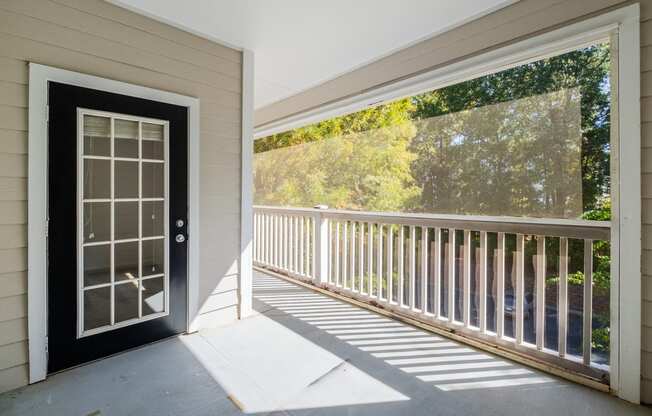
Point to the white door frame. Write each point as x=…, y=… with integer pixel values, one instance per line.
x=37, y=228
x=625, y=371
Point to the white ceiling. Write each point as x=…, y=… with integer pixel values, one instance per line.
x=301, y=43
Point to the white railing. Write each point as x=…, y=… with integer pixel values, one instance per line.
x=469, y=274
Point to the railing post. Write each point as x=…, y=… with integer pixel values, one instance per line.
x=321, y=246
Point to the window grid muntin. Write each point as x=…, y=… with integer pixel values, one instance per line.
x=81, y=332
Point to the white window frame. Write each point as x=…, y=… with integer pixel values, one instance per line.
x=622, y=25
x=37, y=291
x=81, y=157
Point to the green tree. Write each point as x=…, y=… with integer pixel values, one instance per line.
x=360, y=161
x=586, y=69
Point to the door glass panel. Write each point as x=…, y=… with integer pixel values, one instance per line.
x=126, y=301
x=126, y=261
x=153, y=141
x=126, y=220
x=97, y=221
x=97, y=179
x=97, y=136
x=126, y=179
x=97, y=265
x=153, y=180
x=153, y=296
x=123, y=206
x=97, y=307
x=152, y=218
x=152, y=257
x=126, y=138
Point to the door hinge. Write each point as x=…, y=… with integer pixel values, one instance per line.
x=46, y=345
x=47, y=113
x=47, y=228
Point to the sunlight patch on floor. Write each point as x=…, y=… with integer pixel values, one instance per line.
x=442, y=363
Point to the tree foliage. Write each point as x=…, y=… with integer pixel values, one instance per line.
x=478, y=147
x=353, y=169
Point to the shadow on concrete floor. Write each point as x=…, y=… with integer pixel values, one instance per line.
x=304, y=353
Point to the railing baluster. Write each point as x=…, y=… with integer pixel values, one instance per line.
x=500, y=284
x=436, y=270
x=361, y=258
x=352, y=257
x=302, y=225
x=562, y=301
x=256, y=239
x=588, y=302
x=268, y=239
x=286, y=242
x=274, y=243
x=413, y=267
x=345, y=253
x=283, y=239
x=279, y=236
x=261, y=237
x=520, y=244
x=293, y=244
x=307, y=243
x=321, y=243
x=466, y=276
x=379, y=262
x=337, y=253
x=297, y=243
x=482, y=269
x=401, y=265
x=370, y=258
x=310, y=250
x=390, y=263
x=451, y=274
x=424, y=269
x=541, y=291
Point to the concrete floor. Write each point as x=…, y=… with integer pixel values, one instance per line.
x=306, y=354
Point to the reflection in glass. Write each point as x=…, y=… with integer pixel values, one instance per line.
x=97, y=308
x=97, y=265
x=126, y=261
x=126, y=179
x=126, y=220
x=153, y=218
x=153, y=141
x=97, y=136
x=153, y=262
x=126, y=138
x=153, y=294
x=97, y=179
x=126, y=301
x=97, y=221
x=153, y=180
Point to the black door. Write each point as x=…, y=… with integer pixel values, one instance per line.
x=117, y=251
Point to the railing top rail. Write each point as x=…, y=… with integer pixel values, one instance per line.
x=582, y=229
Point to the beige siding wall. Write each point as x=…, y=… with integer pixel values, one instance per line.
x=94, y=37
x=646, y=192
x=521, y=20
